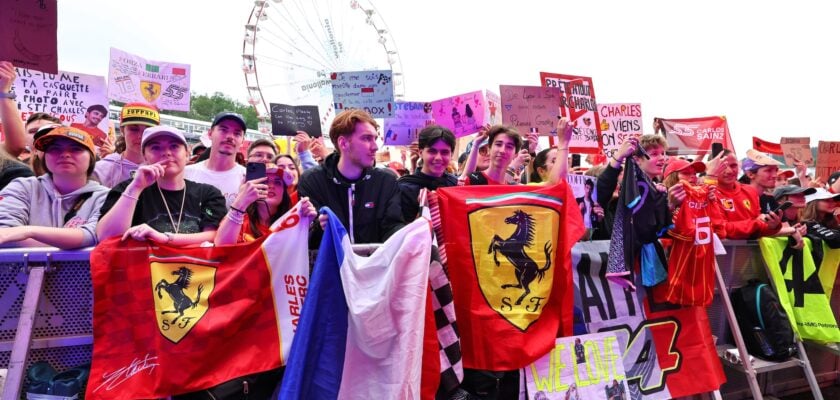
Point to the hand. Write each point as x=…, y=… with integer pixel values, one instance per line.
x=107, y=147
x=7, y=76
x=800, y=167
x=250, y=192
x=712, y=196
x=522, y=159
x=481, y=135
x=660, y=187
x=627, y=149
x=307, y=209
x=676, y=195
x=715, y=166
x=319, y=151
x=599, y=211
x=817, y=183
x=14, y=234
x=322, y=219
x=797, y=236
x=801, y=228
x=414, y=154
x=146, y=175
x=145, y=232
x=533, y=141
x=772, y=219
x=564, y=133
x=302, y=141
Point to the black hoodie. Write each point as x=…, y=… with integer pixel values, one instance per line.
x=410, y=186
x=376, y=212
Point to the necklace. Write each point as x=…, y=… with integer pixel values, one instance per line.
x=180, y=214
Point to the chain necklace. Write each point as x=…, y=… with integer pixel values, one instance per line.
x=180, y=214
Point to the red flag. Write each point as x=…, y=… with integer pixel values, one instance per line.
x=173, y=320
x=508, y=249
x=767, y=147
x=696, y=135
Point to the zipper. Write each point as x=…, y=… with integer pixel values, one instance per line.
x=351, y=202
x=245, y=389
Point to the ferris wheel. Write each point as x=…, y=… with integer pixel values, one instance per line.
x=292, y=46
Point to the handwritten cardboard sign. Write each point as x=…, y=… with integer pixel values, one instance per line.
x=463, y=114
x=828, y=159
x=372, y=91
x=797, y=150
x=286, y=120
x=28, y=31
x=78, y=100
x=531, y=107
x=410, y=117
x=577, y=103
x=579, y=367
x=619, y=122
x=133, y=78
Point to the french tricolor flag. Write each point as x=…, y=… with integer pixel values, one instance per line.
x=361, y=332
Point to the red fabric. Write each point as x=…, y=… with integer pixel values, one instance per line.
x=98, y=135
x=238, y=334
x=767, y=147
x=691, y=263
x=740, y=209
x=489, y=340
x=696, y=135
x=430, y=378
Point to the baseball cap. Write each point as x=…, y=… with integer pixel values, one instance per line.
x=678, y=164
x=229, y=115
x=821, y=194
x=139, y=114
x=833, y=178
x=756, y=159
x=786, y=174
x=162, y=130
x=50, y=133
x=788, y=190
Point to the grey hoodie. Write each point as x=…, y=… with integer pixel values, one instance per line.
x=34, y=201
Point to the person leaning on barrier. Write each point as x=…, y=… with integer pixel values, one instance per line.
x=259, y=203
x=436, y=145
x=791, y=224
x=60, y=208
x=365, y=199
x=158, y=204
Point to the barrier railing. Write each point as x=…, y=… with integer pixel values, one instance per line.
x=46, y=309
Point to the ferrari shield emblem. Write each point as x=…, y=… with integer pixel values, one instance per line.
x=180, y=291
x=150, y=90
x=513, y=250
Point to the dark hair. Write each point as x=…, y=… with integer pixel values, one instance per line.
x=262, y=142
x=344, y=124
x=508, y=130
x=432, y=133
x=254, y=215
x=98, y=107
x=41, y=116
x=539, y=162
x=294, y=161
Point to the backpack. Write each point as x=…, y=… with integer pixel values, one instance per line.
x=764, y=324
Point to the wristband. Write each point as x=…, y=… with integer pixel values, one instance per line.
x=235, y=220
x=237, y=210
x=169, y=237
x=130, y=196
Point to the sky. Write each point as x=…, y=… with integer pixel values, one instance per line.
x=764, y=65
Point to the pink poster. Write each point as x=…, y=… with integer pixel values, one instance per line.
x=531, y=107
x=463, y=114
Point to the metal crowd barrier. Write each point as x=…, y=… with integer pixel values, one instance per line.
x=46, y=310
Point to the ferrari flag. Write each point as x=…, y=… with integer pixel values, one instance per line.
x=508, y=251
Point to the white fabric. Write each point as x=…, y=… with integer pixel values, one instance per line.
x=386, y=296
x=227, y=182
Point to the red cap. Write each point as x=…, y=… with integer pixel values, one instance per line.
x=678, y=164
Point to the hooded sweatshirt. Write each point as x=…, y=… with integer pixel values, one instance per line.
x=113, y=169
x=35, y=201
x=369, y=207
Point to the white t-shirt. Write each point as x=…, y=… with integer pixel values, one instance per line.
x=227, y=182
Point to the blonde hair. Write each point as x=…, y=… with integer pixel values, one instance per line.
x=650, y=140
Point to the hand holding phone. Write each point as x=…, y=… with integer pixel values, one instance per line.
x=782, y=207
x=716, y=149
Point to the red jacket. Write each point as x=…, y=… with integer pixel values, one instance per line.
x=740, y=210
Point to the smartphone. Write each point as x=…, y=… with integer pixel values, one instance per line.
x=716, y=149
x=783, y=206
x=526, y=144
x=254, y=171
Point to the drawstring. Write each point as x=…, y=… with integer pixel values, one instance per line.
x=351, y=200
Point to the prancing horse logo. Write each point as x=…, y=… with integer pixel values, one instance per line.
x=514, y=249
x=180, y=302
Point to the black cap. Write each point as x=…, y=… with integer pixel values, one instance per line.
x=833, y=178
x=788, y=190
x=231, y=116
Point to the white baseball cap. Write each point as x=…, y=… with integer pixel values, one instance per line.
x=821, y=194
x=163, y=130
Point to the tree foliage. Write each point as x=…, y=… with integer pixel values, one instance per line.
x=204, y=107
